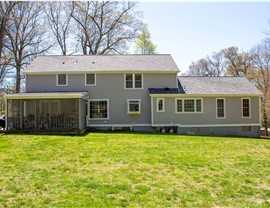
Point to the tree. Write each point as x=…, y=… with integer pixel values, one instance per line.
x=105, y=27
x=5, y=9
x=208, y=66
x=238, y=64
x=59, y=18
x=27, y=36
x=261, y=77
x=143, y=44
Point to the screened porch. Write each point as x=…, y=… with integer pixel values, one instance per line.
x=45, y=114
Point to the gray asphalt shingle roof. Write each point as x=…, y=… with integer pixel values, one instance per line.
x=109, y=63
x=217, y=85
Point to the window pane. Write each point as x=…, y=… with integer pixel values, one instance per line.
x=98, y=109
x=90, y=79
x=245, y=107
x=129, y=81
x=220, y=108
x=134, y=106
x=62, y=79
x=189, y=106
x=138, y=81
x=198, y=105
x=179, y=106
x=160, y=105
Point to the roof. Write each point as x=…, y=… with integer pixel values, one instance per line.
x=48, y=95
x=164, y=91
x=217, y=85
x=102, y=63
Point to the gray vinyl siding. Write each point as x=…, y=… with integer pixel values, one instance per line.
x=233, y=112
x=115, y=82
x=111, y=86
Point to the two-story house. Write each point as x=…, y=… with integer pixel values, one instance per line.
x=138, y=92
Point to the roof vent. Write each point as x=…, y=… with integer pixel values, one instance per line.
x=93, y=62
x=76, y=61
x=63, y=62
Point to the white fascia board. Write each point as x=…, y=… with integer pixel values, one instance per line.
x=207, y=125
x=52, y=96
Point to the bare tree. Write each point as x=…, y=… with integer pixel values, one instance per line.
x=238, y=63
x=199, y=68
x=5, y=9
x=208, y=66
x=26, y=36
x=261, y=77
x=105, y=27
x=59, y=18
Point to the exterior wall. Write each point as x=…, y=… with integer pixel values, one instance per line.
x=111, y=86
x=76, y=82
x=208, y=116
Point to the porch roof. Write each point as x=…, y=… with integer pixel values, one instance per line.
x=48, y=95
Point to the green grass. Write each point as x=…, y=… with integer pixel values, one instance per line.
x=133, y=170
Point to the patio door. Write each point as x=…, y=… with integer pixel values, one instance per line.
x=44, y=108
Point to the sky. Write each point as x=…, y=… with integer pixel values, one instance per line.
x=190, y=31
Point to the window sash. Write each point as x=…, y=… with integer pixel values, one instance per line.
x=129, y=81
x=246, y=108
x=98, y=109
x=133, y=81
x=61, y=79
x=220, y=108
x=90, y=79
x=188, y=105
x=134, y=106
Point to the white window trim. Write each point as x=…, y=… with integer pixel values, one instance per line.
x=61, y=84
x=85, y=79
x=163, y=102
x=133, y=82
x=248, y=109
x=108, y=109
x=139, y=100
x=224, y=108
x=176, y=112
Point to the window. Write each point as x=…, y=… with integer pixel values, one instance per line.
x=90, y=79
x=134, y=106
x=246, y=108
x=220, y=106
x=62, y=80
x=99, y=109
x=133, y=81
x=188, y=106
x=160, y=105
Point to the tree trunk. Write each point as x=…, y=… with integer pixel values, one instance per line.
x=18, y=79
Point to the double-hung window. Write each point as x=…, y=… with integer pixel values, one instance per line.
x=188, y=105
x=220, y=108
x=90, y=79
x=160, y=105
x=133, y=81
x=61, y=79
x=246, y=108
x=134, y=106
x=99, y=109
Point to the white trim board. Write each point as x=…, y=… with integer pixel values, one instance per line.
x=207, y=125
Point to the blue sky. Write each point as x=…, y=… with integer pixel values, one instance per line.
x=190, y=31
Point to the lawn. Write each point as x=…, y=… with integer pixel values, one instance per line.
x=133, y=170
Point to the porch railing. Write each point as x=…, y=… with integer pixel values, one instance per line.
x=43, y=123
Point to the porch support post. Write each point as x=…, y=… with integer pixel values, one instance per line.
x=80, y=113
x=6, y=104
x=21, y=114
